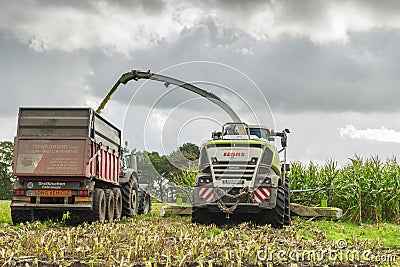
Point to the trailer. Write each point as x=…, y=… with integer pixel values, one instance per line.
x=71, y=159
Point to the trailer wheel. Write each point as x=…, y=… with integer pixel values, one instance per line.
x=21, y=216
x=110, y=204
x=287, y=217
x=275, y=216
x=117, y=203
x=130, y=198
x=99, y=206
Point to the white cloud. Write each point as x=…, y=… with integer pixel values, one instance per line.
x=380, y=134
x=105, y=26
x=130, y=26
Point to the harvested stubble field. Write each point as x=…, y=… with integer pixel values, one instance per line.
x=154, y=241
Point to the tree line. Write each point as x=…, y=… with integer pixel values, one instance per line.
x=6, y=177
x=169, y=176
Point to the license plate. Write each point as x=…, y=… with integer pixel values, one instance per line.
x=233, y=181
x=53, y=193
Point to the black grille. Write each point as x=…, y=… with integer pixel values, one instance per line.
x=234, y=170
x=233, y=145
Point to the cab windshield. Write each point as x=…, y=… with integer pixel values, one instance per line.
x=235, y=129
x=259, y=132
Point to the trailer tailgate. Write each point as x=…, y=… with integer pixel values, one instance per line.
x=51, y=157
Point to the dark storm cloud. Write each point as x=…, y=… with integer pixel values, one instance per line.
x=294, y=74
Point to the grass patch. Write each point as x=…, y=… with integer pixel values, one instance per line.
x=5, y=212
x=382, y=234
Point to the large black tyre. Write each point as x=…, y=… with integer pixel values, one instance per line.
x=21, y=216
x=99, y=206
x=130, y=198
x=117, y=203
x=287, y=218
x=144, y=205
x=110, y=204
x=276, y=216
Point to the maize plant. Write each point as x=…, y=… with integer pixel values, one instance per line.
x=368, y=190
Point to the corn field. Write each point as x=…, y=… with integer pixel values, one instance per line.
x=367, y=190
x=154, y=241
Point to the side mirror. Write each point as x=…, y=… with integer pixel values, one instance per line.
x=284, y=141
x=284, y=137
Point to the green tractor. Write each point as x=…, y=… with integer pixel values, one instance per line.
x=242, y=175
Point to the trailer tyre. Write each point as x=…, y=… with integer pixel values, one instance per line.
x=130, y=198
x=287, y=217
x=21, y=216
x=110, y=204
x=99, y=206
x=117, y=203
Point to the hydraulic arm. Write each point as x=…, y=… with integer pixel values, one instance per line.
x=136, y=75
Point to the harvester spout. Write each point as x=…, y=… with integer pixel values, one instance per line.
x=136, y=75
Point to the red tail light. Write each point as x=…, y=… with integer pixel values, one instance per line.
x=19, y=192
x=83, y=192
x=203, y=181
x=264, y=181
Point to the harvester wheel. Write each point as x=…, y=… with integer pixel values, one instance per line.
x=287, y=217
x=21, y=216
x=130, y=198
x=110, y=204
x=117, y=203
x=275, y=216
x=99, y=206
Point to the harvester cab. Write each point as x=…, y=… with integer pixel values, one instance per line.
x=241, y=174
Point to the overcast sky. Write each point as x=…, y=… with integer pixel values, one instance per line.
x=327, y=70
